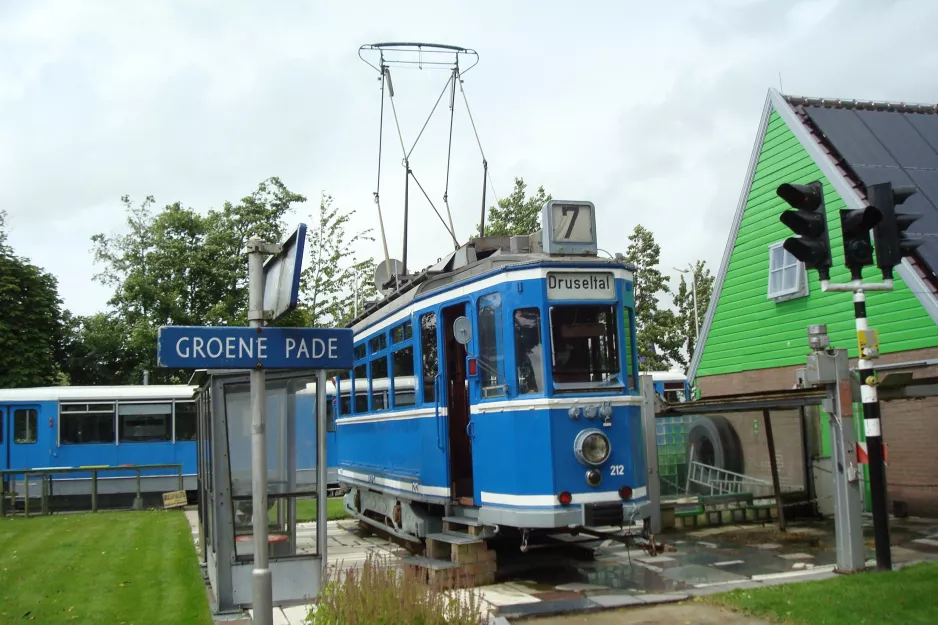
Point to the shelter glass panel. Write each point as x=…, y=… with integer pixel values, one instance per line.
x=529, y=351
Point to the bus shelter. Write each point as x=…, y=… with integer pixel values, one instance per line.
x=296, y=561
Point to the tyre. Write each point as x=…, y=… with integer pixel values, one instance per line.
x=716, y=443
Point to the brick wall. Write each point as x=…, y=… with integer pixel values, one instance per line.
x=910, y=429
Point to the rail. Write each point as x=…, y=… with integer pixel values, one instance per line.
x=45, y=480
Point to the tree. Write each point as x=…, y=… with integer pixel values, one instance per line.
x=31, y=330
x=334, y=271
x=516, y=214
x=178, y=267
x=97, y=350
x=684, y=302
x=658, y=339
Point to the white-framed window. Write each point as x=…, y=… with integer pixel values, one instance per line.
x=788, y=278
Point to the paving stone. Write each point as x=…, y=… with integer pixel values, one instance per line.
x=796, y=556
x=769, y=546
x=578, y=587
x=616, y=601
x=503, y=595
x=556, y=595
x=656, y=560
x=696, y=574
x=545, y=608
x=668, y=598
x=296, y=614
x=728, y=563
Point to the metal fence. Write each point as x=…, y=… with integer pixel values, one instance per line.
x=8, y=483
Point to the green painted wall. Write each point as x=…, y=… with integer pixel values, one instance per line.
x=750, y=331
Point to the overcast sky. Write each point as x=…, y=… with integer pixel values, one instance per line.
x=647, y=109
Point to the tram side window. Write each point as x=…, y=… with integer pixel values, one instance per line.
x=584, y=344
x=361, y=389
x=403, y=363
x=86, y=423
x=529, y=351
x=145, y=422
x=491, y=358
x=429, y=349
x=25, y=422
x=185, y=421
x=379, y=372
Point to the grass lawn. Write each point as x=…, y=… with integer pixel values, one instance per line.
x=909, y=595
x=306, y=509
x=110, y=567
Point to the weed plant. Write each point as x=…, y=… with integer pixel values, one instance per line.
x=381, y=594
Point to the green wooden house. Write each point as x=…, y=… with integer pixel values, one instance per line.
x=754, y=334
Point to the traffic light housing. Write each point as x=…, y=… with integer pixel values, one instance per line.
x=890, y=237
x=856, y=225
x=809, y=221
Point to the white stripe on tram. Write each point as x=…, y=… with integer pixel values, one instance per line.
x=551, y=500
x=423, y=413
x=553, y=402
x=365, y=478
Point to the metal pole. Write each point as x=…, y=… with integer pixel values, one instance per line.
x=262, y=599
x=649, y=427
x=874, y=438
x=406, y=201
x=693, y=282
x=322, y=501
x=773, y=463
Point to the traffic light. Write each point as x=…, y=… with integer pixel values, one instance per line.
x=809, y=221
x=856, y=225
x=892, y=242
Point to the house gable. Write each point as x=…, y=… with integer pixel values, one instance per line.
x=745, y=328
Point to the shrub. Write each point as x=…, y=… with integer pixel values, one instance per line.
x=380, y=594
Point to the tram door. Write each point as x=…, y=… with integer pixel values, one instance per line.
x=457, y=402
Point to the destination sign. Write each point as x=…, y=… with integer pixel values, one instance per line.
x=576, y=285
x=227, y=347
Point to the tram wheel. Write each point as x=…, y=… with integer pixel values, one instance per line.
x=716, y=443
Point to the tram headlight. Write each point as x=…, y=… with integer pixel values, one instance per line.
x=592, y=447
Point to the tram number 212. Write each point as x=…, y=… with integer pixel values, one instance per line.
x=617, y=469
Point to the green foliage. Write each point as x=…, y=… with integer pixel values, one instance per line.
x=684, y=302
x=657, y=329
x=516, y=214
x=329, y=279
x=380, y=594
x=31, y=321
x=905, y=596
x=178, y=267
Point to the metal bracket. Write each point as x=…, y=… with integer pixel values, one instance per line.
x=254, y=246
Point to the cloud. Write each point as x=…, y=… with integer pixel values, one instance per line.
x=650, y=111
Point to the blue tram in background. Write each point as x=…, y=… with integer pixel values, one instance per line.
x=501, y=386
x=86, y=426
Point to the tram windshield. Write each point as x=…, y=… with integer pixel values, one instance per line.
x=584, y=347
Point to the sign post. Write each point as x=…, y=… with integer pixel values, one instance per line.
x=273, y=289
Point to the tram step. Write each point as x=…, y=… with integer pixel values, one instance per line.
x=429, y=563
x=455, y=538
x=463, y=520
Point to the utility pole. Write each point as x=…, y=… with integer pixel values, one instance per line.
x=693, y=286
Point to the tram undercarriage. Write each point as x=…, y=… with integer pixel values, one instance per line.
x=436, y=533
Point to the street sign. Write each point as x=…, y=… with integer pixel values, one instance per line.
x=231, y=347
x=282, y=275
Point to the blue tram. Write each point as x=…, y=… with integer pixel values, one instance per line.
x=500, y=385
x=86, y=426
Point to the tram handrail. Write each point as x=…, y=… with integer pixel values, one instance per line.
x=45, y=474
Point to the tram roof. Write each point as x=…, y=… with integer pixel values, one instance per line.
x=98, y=393
x=447, y=274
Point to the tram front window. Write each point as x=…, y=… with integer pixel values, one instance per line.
x=584, y=347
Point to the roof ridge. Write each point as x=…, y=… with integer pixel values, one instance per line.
x=865, y=105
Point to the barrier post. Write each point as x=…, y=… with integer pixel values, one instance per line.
x=179, y=471
x=44, y=497
x=94, y=490
x=138, y=500
x=26, y=494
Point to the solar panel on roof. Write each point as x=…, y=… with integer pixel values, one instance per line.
x=884, y=146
